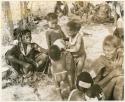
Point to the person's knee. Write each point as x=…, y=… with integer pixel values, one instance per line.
x=8, y=58
x=43, y=57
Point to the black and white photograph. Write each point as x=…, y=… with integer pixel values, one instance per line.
x=62, y=50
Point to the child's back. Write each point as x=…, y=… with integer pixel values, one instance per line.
x=53, y=34
x=59, y=69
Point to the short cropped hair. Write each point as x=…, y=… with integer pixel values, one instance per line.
x=54, y=52
x=51, y=16
x=25, y=31
x=111, y=40
x=74, y=26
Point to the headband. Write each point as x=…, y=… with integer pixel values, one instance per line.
x=84, y=84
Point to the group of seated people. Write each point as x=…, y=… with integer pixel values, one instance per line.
x=65, y=60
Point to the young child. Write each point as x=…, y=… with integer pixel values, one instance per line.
x=107, y=69
x=83, y=83
x=76, y=46
x=25, y=57
x=95, y=92
x=54, y=32
x=60, y=71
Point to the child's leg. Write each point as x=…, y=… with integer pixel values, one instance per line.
x=80, y=64
x=60, y=83
x=70, y=81
x=57, y=82
x=64, y=89
x=58, y=90
x=67, y=78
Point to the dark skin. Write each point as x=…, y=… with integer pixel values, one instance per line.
x=17, y=61
x=26, y=67
x=25, y=39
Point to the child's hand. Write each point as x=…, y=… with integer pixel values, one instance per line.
x=68, y=50
x=27, y=67
x=67, y=44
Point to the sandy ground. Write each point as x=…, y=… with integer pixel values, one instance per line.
x=46, y=89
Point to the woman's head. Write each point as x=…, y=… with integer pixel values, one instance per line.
x=110, y=44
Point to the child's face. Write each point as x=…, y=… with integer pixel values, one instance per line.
x=52, y=23
x=109, y=51
x=26, y=38
x=71, y=33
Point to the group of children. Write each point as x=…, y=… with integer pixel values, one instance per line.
x=60, y=48
x=105, y=77
x=66, y=59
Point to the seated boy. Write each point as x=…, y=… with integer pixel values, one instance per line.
x=54, y=31
x=76, y=46
x=25, y=57
x=60, y=71
x=83, y=83
x=107, y=69
x=95, y=92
